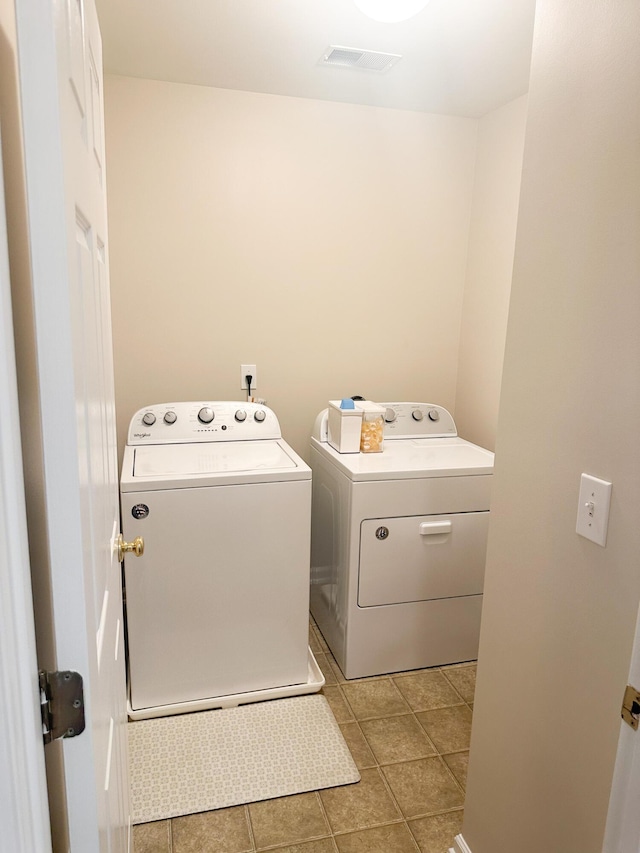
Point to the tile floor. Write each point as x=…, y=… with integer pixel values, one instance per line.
x=408, y=734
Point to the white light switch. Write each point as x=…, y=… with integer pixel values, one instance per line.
x=593, y=509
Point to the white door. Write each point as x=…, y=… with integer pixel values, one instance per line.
x=60, y=60
x=24, y=815
x=623, y=822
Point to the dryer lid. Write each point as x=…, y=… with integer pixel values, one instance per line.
x=407, y=459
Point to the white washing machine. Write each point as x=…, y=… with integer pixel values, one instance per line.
x=217, y=606
x=398, y=544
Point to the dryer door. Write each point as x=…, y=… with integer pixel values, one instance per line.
x=419, y=558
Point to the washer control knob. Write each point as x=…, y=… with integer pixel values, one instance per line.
x=241, y=415
x=417, y=415
x=206, y=415
x=148, y=419
x=260, y=415
x=434, y=415
x=170, y=418
x=390, y=415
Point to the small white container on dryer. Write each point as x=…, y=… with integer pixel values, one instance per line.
x=344, y=427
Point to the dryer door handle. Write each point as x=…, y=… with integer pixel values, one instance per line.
x=429, y=528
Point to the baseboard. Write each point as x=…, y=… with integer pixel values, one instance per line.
x=459, y=845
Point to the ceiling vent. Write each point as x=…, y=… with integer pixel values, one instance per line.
x=352, y=57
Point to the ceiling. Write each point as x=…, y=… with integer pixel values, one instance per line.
x=459, y=57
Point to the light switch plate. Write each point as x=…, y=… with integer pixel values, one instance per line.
x=593, y=509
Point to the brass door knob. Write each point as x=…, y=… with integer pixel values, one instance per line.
x=136, y=547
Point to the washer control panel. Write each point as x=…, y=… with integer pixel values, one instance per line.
x=417, y=420
x=181, y=423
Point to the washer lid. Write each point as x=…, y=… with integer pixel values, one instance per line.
x=412, y=458
x=193, y=465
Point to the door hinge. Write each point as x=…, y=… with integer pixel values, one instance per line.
x=61, y=704
x=631, y=706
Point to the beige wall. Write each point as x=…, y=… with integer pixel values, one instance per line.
x=559, y=611
x=326, y=243
x=489, y=269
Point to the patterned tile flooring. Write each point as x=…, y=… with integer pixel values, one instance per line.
x=408, y=734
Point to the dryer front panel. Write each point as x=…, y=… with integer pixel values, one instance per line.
x=420, y=558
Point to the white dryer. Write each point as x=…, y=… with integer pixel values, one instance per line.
x=217, y=606
x=398, y=544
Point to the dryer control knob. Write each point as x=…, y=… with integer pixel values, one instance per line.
x=260, y=415
x=241, y=415
x=148, y=419
x=206, y=415
x=170, y=418
x=417, y=415
x=434, y=415
x=390, y=415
